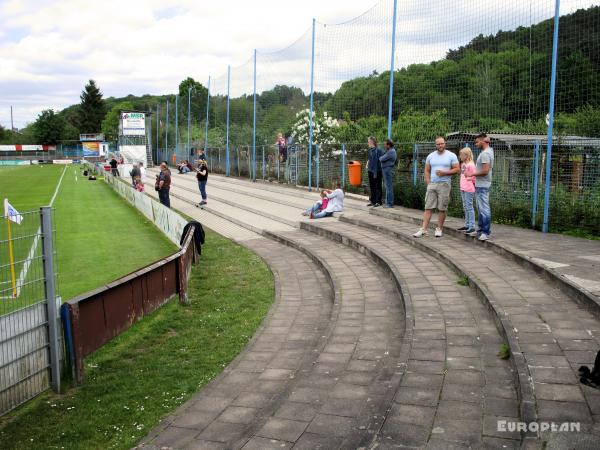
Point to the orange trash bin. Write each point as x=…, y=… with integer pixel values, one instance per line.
x=355, y=173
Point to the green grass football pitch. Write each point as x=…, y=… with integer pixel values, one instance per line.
x=98, y=236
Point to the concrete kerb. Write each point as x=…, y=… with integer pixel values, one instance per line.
x=400, y=286
x=584, y=298
x=505, y=327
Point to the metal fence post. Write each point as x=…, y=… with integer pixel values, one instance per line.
x=310, y=113
x=389, y=131
x=207, y=110
x=318, y=155
x=415, y=164
x=343, y=165
x=50, y=293
x=551, y=116
x=253, y=170
x=536, y=171
x=263, y=162
x=157, y=128
x=227, y=130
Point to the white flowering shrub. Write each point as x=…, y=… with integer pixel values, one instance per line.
x=324, y=128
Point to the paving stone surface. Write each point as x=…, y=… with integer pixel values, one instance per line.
x=349, y=385
x=556, y=334
x=450, y=373
x=575, y=258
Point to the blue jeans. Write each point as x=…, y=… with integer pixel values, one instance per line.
x=322, y=214
x=202, y=187
x=388, y=175
x=163, y=197
x=484, y=219
x=467, y=201
x=314, y=208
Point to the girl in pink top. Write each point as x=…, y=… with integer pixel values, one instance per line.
x=467, y=188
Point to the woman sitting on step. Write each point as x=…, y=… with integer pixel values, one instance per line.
x=319, y=205
x=335, y=204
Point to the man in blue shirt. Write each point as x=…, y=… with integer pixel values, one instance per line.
x=439, y=168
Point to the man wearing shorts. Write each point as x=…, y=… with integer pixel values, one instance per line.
x=439, y=168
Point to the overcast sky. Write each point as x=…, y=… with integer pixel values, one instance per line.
x=50, y=49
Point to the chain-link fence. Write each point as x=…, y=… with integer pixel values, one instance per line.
x=30, y=347
x=413, y=71
x=519, y=180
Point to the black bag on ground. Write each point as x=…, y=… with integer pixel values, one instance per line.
x=592, y=378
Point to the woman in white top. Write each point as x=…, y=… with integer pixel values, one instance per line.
x=336, y=203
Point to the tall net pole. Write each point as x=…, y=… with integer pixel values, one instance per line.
x=311, y=108
x=389, y=129
x=254, y=123
x=176, y=124
x=189, y=117
x=207, y=111
x=227, y=126
x=551, y=116
x=167, y=129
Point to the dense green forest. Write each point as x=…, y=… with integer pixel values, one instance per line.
x=494, y=83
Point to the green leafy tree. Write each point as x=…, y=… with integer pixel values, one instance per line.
x=48, y=128
x=91, y=109
x=110, y=124
x=197, y=100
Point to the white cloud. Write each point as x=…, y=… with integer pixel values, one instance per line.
x=49, y=49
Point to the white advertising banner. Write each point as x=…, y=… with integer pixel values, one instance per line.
x=167, y=220
x=133, y=153
x=133, y=124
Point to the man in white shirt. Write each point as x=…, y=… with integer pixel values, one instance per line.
x=439, y=168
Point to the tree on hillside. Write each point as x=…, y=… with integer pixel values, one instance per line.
x=197, y=100
x=110, y=124
x=91, y=109
x=48, y=128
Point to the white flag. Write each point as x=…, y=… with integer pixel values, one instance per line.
x=11, y=213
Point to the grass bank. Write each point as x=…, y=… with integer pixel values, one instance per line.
x=157, y=364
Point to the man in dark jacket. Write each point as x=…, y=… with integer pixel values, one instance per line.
x=375, y=173
x=388, y=162
x=164, y=184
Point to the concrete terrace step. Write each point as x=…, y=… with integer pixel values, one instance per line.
x=455, y=388
x=254, y=221
x=231, y=410
x=550, y=334
x=273, y=210
x=570, y=262
x=342, y=396
x=271, y=192
x=312, y=376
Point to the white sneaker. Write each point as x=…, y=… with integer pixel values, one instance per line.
x=483, y=237
x=421, y=233
x=438, y=232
